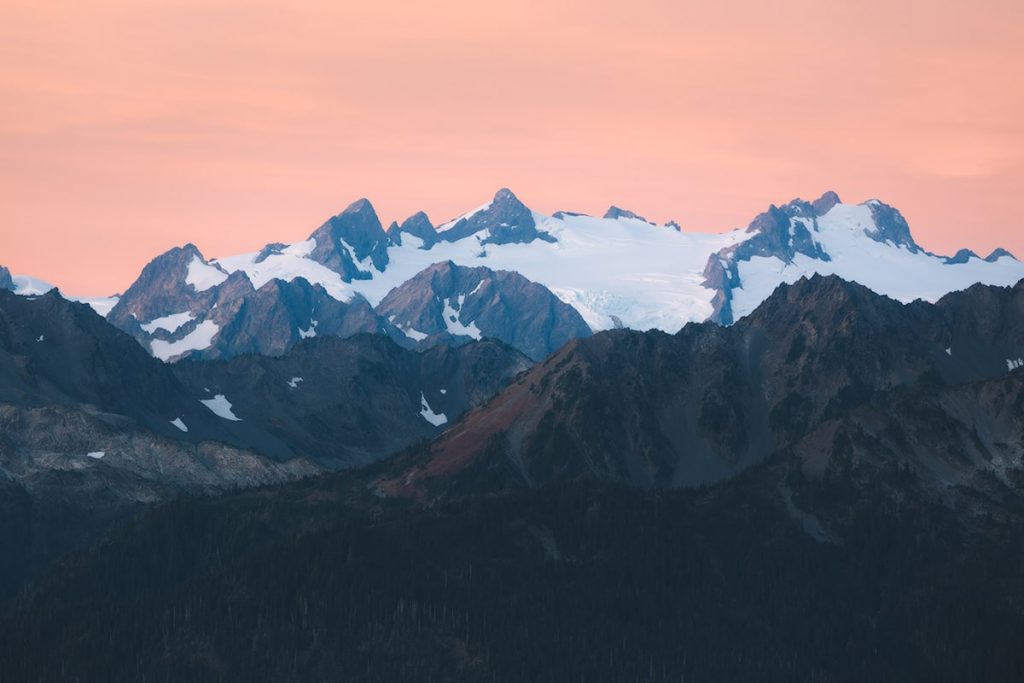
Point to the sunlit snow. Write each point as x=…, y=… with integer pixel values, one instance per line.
x=885, y=268
x=179, y=424
x=454, y=324
x=168, y=322
x=196, y=340
x=203, y=276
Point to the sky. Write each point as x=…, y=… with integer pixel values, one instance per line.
x=130, y=126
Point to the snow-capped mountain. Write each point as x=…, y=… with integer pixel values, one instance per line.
x=619, y=270
x=429, y=309
x=26, y=285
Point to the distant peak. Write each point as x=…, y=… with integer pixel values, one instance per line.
x=825, y=202
x=890, y=226
x=505, y=194
x=615, y=212
x=999, y=253
x=6, y=281
x=961, y=256
x=505, y=197
x=361, y=205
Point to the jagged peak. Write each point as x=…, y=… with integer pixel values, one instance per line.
x=615, y=212
x=361, y=205
x=505, y=195
x=825, y=202
x=890, y=226
x=6, y=280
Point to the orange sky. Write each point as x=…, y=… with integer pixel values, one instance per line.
x=130, y=126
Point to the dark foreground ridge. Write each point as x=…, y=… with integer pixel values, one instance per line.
x=829, y=490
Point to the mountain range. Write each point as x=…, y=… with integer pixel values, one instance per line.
x=501, y=264
x=793, y=451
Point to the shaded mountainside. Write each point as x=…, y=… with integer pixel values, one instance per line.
x=92, y=427
x=657, y=410
x=829, y=490
x=770, y=576
x=346, y=402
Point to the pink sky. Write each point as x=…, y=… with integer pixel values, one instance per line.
x=130, y=126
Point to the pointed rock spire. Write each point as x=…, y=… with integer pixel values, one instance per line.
x=347, y=240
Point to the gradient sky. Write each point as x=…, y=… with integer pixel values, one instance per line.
x=131, y=126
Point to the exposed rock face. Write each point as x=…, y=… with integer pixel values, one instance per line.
x=506, y=220
x=891, y=226
x=961, y=256
x=782, y=232
x=615, y=212
x=351, y=242
x=454, y=303
x=997, y=254
x=418, y=225
x=177, y=280
x=273, y=318
x=655, y=410
x=825, y=202
x=185, y=307
x=5, y=279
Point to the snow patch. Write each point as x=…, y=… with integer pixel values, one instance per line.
x=412, y=333
x=436, y=419
x=203, y=276
x=196, y=340
x=26, y=285
x=95, y=455
x=221, y=407
x=41, y=338
x=294, y=382
x=1013, y=364
x=444, y=391
x=949, y=351
x=101, y=304
x=179, y=424
x=171, y=322
x=311, y=332
x=454, y=324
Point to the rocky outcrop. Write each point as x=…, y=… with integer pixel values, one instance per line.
x=352, y=242
x=616, y=213
x=417, y=225
x=506, y=220
x=6, y=282
x=455, y=304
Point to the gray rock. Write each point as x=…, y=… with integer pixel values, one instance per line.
x=349, y=238
x=418, y=225
x=507, y=220
x=616, y=212
x=498, y=304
